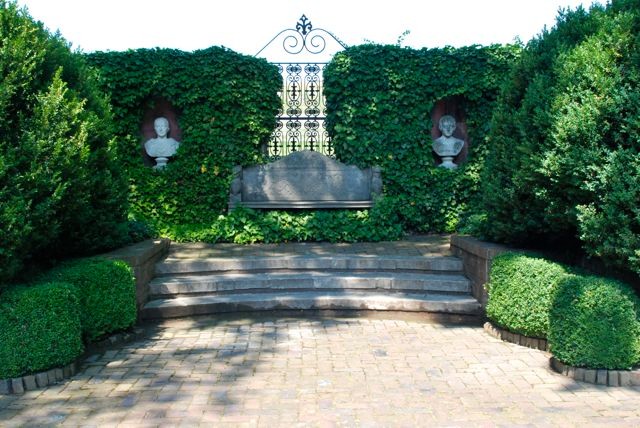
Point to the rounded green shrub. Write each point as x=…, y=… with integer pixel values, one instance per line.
x=595, y=323
x=106, y=290
x=39, y=328
x=520, y=288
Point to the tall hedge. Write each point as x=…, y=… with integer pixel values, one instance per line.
x=565, y=137
x=60, y=190
x=225, y=104
x=380, y=101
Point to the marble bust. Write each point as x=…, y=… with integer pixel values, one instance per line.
x=447, y=146
x=162, y=147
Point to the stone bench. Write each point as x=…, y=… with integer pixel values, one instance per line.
x=305, y=179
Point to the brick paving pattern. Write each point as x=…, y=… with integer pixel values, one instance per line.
x=280, y=370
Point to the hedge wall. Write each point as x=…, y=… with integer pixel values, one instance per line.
x=565, y=138
x=61, y=192
x=224, y=103
x=380, y=101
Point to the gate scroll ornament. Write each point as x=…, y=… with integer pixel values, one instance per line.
x=301, y=120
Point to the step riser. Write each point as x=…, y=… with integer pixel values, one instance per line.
x=436, y=264
x=323, y=303
x=328, y=283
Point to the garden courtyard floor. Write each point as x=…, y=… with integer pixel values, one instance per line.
x=293, y=370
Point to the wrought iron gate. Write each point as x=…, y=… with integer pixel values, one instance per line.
x=301, y=120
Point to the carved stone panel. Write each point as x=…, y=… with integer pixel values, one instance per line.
x=306, y=179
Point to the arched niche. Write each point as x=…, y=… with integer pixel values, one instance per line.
x=453, y=107
x=159, y=107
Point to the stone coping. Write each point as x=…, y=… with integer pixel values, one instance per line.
x=22, y=384
x=141, y=252
x=597, y=376
x=518, y=339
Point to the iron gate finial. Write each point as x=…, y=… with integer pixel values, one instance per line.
x=304, y=25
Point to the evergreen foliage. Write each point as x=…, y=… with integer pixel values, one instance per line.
x=61, y=193
x=565, y=138
x=520, y=289
x=39, y=328
x=595, y=323
x=106, y=292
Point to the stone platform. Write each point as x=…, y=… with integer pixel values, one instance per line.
x=415, y=275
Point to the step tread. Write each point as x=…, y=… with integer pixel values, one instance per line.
x=303, y=262
x=187, y=278
x=192, y=305
x=241, y=282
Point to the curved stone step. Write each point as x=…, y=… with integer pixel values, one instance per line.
x=259, y=282
x=310, y=300
x=306, y=262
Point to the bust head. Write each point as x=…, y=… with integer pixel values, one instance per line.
x=161, y=126
x=447, y=124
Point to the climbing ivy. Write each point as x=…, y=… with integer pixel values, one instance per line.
x=225, y=104
x=380, y=101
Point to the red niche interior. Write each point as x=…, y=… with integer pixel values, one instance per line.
x=452, y=108
x=160, y=108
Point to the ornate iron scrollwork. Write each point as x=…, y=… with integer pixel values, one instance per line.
x=301, y=122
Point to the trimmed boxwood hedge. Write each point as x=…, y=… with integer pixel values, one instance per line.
x=106, y=290
x=39, y=328
x=595, y=323
x=520, y=289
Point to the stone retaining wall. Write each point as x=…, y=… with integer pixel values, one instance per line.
x=142, y=258
x=477, y=257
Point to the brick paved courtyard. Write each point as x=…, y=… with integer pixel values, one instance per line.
x=278, y=370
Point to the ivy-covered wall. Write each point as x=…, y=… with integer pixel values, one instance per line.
x=222, y=104
x=381, y=103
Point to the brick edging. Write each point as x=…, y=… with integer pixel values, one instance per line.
x=32, y=382
x=597, y=376
x=518, y=339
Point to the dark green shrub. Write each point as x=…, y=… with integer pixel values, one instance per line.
x=570, y=102
x=39, y=328
x=595, y=323
x=61, y=192
x=106, y=290
x=610, y=225
x=520, y=289
x=380, y=101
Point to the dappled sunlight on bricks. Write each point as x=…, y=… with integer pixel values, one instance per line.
x=268, y=371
